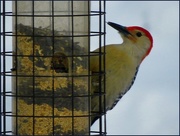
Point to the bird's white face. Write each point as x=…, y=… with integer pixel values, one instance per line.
x=140, y=39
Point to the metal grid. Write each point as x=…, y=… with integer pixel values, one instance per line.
x=19, y=88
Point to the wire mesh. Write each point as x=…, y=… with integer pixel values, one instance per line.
x=45, y=67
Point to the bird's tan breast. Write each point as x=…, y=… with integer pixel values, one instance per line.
x=120, y=71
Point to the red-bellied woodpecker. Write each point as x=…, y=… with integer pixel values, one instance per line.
x=121, y=62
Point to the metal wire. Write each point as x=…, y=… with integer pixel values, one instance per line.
x=51, y=97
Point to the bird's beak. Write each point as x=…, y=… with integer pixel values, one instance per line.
x=120, y=28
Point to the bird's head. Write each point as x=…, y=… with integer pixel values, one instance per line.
x=136, y=35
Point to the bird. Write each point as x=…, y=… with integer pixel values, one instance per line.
x=122, y=62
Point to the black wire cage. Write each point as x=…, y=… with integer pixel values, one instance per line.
x=46, y=80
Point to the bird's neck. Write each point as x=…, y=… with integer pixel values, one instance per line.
x=137, y=53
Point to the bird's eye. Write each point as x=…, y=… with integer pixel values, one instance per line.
x=138, y=34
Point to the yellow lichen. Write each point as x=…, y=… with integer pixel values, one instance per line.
x=43, y=119
x=27, y=64
x=47, y=61
x=49, y=83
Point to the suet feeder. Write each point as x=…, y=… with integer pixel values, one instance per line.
x=49, y=77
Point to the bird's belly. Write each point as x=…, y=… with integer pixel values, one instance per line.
x=117, y=83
